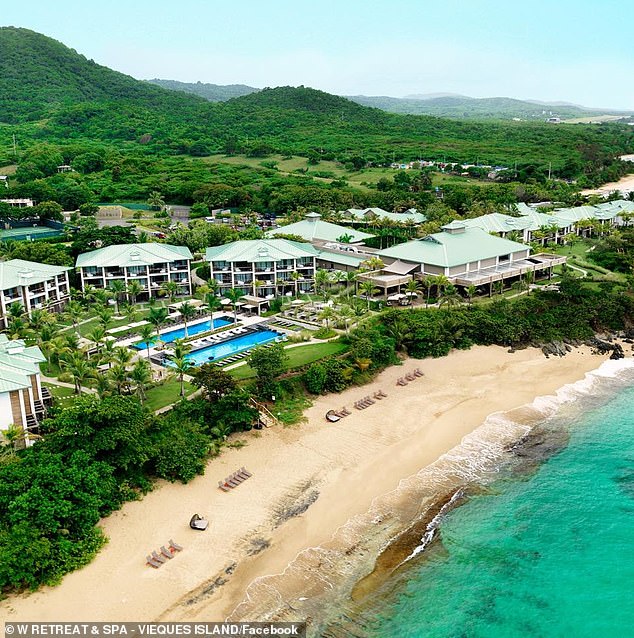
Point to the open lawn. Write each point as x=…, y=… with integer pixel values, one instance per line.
x=326, y=170
x=297, y=357
x=166, y=394
x=579, y=255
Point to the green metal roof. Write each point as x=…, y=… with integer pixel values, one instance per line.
x=342, y=258
x=410, y=215
x=133, y=255
x=19, y=272
x=498, y=223
x=17, y=363
x=448, y=249
x=258, y=250
x=314, y=228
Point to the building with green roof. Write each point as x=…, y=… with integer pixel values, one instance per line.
x=151, y=265
x=21, y=394
x=33, y=285
x=315, y=230
x=465, y=256
x=264, y=268
x=370, y=215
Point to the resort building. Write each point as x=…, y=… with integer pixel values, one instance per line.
x=466, y=256
x=317, y=231
x=22, y=397
x=151, y=265
x=264, y=268
x=370, y=215
x=33, y=286
x=19, y=203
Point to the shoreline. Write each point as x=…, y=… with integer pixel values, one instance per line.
x=624, y=185
x=309, y=483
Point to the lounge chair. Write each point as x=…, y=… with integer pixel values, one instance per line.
x=196, y=522
x=410, y=377
x=344, y=411
x=382, y=394
x=419, y=373
x=232, y=482
x=401, y=381
x=166, y=552
x=175, y=546
x=242, y=470
x=153, y=562
x=223, y=486
x=369, y=400
x=378, y=396
x=159, y=558
x=238, y=477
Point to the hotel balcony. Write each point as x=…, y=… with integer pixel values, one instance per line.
x=158, y=270
x=115, y=273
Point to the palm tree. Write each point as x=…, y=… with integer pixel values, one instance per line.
x=97, y=335
x=471, y=291
x=412, y=287
x=117, y=288
x=146, y=332
x=141, y=376
x=186, y=311
x=346, y=313
x=498, y=286
x=40, y=318
x=212, y=303
x=119, y=376
x=368, y=289
x=441, y=282
x=157, y=317
x=108, y=353
x=169, y=288
x=103, y=385
x=351, y=278
x=79, y=368
x=155, y=201
x=105, y=317
x=16, y=310
x=122, y=355
x=234, y=295
x=321, y=280
x=18, y=328
x=450, y=296
x=529, y=278
x=327, y=315
x=102, y=296
x=134, y=290
x=181, y=367
x=180, y=348
x=75, y=312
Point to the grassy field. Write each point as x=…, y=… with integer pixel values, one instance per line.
x=363, y=179
x=578, y=256
x=297, y=357
x=166, y=394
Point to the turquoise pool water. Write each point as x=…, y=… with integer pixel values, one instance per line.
x=172, y=335
x=231, y=347
x=544, y=552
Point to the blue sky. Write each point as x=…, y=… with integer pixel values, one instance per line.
x=556, y=50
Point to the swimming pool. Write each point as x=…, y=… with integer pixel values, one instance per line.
x=172, y=335
x=231, y=347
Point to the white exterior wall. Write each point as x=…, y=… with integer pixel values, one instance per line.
x=6, y=416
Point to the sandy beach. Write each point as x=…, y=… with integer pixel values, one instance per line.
x=308, y=481
x=624, y=185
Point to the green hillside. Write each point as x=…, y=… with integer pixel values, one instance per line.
x=211, y=92
x=58, y=96
x=39, y=74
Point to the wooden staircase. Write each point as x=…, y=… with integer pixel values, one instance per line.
x=265, y=415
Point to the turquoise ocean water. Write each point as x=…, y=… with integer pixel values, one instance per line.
x=545, y=550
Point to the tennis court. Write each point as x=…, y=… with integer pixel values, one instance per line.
x=30, y=232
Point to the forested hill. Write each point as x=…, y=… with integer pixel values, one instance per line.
x=211, y=92
x=38, y=74
x=463, y=107
x=56, y=95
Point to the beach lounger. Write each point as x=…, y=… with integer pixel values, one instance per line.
x=223, y=486
x=410, y=377
x=381, y=394
x=175, y=546
x=378, y=396
x=151, y=561
x=418, y=372
x=401, y=381
x=244, y=471
x=231, y=482
x=345, y=411
x=166, y=552
x=238, y=477
x=159, y=558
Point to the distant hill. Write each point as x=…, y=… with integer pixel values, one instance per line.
x=463, y=107
x=38, y=74
x=211, y=92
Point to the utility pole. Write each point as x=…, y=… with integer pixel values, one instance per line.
x=15, y=155
x=550, y=166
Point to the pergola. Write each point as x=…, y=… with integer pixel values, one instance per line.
x=252, y=303
x=385, y=281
